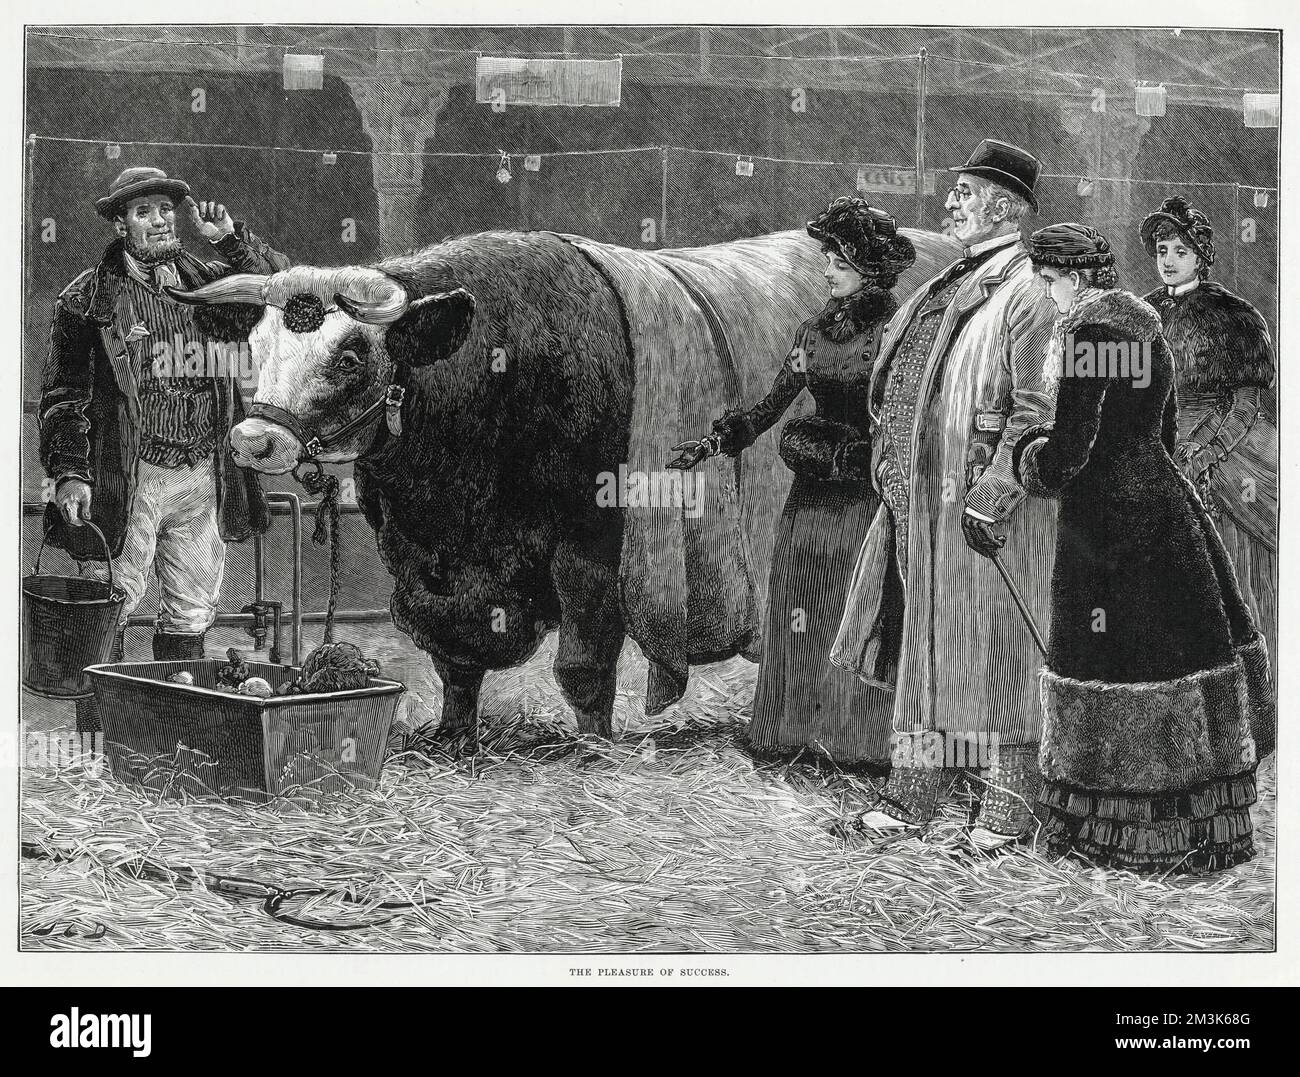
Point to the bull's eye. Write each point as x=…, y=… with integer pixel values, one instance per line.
x=347, y=361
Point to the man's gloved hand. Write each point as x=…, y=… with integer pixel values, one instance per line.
x=209, y=219
x=981, y=536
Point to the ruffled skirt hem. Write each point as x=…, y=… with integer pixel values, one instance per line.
x=1194, y=831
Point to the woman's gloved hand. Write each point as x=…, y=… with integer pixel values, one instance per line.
x=691, y=453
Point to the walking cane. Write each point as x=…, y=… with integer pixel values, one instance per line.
x=1020, y=602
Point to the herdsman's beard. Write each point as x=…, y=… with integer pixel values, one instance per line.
x=156, y=253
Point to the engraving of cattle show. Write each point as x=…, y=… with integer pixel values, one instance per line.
x=627, y=489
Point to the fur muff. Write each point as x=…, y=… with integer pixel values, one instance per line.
x=1146, y=738
x=1221, y=340
x=808, y=445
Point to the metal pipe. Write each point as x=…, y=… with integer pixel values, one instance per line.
x=922, y=87
x=295, y=515
x=259, y=568
x=280, y=503
x=309, y=617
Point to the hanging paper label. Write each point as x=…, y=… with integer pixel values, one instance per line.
x=900, y=181
x=533, y=162
x=303, y=72
x=1262, y=109
x=744, y=166
x=1149, y=101
x=523, y=81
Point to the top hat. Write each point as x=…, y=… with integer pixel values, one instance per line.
x=135, y=182
x=1007, y=165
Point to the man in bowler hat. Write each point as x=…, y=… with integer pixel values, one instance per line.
x=958, y=378
x=136, y=445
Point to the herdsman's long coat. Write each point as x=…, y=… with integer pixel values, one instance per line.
x=962, y=659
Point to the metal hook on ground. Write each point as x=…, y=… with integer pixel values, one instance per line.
x=273, y=897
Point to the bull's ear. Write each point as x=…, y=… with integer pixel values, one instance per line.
x=432, y=328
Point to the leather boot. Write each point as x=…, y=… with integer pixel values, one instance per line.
x=172, y=646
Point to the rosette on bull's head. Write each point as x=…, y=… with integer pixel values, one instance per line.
x=329, y=344
x=866, y=238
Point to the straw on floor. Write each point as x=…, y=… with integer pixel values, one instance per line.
x=675, y=838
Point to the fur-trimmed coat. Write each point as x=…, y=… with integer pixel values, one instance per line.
x=1224, y=357
x=831, y=357
x=1146, y=681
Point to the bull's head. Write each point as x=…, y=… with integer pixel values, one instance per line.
x=328, y=345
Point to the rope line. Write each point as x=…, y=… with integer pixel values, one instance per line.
x=495, y=155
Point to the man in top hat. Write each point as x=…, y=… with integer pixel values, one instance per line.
x=139, y=394
x=958, y=378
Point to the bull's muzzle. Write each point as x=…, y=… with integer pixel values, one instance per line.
x=265, y=446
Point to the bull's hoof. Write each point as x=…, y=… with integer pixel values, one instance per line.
x=596, y=726
x=664, y=686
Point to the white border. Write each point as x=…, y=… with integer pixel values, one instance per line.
x=47, y=968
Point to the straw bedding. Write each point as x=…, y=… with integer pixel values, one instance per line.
x=675, y=838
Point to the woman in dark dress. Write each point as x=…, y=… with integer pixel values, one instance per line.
x=1146, y=752
x=1227, y=412
x=802, y=701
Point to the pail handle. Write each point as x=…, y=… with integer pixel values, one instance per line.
x=108, y=554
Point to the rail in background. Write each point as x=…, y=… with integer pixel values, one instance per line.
x=279, y=503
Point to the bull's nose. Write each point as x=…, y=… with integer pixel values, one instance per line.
x=264, y=447
x=254, y=444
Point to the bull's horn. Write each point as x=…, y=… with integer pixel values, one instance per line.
x=383, y=312
x=233, y=288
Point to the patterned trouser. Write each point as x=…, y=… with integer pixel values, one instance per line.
x=1011, y=784
x=173, y=530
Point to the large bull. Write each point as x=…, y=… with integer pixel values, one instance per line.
x=530, y=375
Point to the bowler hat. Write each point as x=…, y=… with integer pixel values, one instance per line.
x=136, y=182
x=1006, y=165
